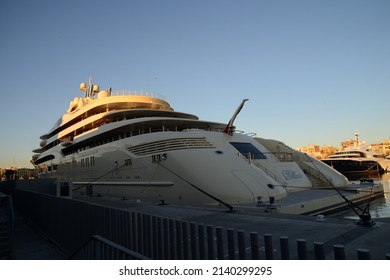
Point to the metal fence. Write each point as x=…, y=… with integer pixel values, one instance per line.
x=6, y=226
x=70, y=224
x=99, y=248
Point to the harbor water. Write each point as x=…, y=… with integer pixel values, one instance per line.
x=379, y=208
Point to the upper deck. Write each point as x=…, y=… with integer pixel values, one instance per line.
x=97, y=102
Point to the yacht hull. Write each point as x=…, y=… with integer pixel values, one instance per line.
x=355, y=167
x=194, y=167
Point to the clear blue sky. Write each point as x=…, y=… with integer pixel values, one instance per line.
x=314, y=71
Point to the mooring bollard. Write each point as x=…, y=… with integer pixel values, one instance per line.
x=363, y=254
x=319, y=252
x=302, y=252
x=254, y=245
x=269, y=251
x=339, y=252
x=284, y=248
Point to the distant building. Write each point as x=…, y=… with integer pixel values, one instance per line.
x=313, y=150
x=386, y=147
x=13, y=173
x=382, y=148
x=26, y=173
x=325, y=151
x=348, y=143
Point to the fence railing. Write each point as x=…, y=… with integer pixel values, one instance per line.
x=99, y=248
x=71, y=223
x=6, y=226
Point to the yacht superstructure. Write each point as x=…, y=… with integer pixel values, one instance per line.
x=358, y=159
x=135, y=145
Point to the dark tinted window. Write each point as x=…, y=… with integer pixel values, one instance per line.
x=246, y=148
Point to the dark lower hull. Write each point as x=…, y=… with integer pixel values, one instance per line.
x=355, y=167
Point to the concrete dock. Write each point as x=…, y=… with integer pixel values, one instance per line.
x=330, y=231
x=70, y=217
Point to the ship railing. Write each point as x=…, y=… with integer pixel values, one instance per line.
x=315, y=176
x=282, y=156
x=251, y=158
x=139, y=93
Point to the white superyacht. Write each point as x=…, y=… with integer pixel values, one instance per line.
x=358, y=159
x=136, y=146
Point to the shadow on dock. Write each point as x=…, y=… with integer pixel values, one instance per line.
x=86, y=227
x=29, y=244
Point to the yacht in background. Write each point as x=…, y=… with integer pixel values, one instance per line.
x=358, y=160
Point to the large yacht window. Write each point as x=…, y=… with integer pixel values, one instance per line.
x=247, y=148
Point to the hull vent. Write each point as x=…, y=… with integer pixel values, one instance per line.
x=170, y=145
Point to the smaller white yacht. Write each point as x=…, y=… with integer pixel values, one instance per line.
x=358, y=159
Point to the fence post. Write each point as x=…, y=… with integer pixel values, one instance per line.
x=220, y=254
x=155, y=238
x=302, y=253
x=160, y=238
x=210, y=243
x=241, y=245
x=97, y=250
x=269, y=251
x=284, y=248
x=179, y=241
x=319, y=251
x=139, y=234
x=363, y=254
x=202, y=253
x=254, y=246
x=194, y=251
x=231, y=247
x=133, y=232
x=146, y=235
x=339, y=252
x=184, y=228
x=127, y=233
x=172, y=239
x=166, y=238
x=150, y=236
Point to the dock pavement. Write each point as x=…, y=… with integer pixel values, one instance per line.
x=330, y=231
x=30, y=244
